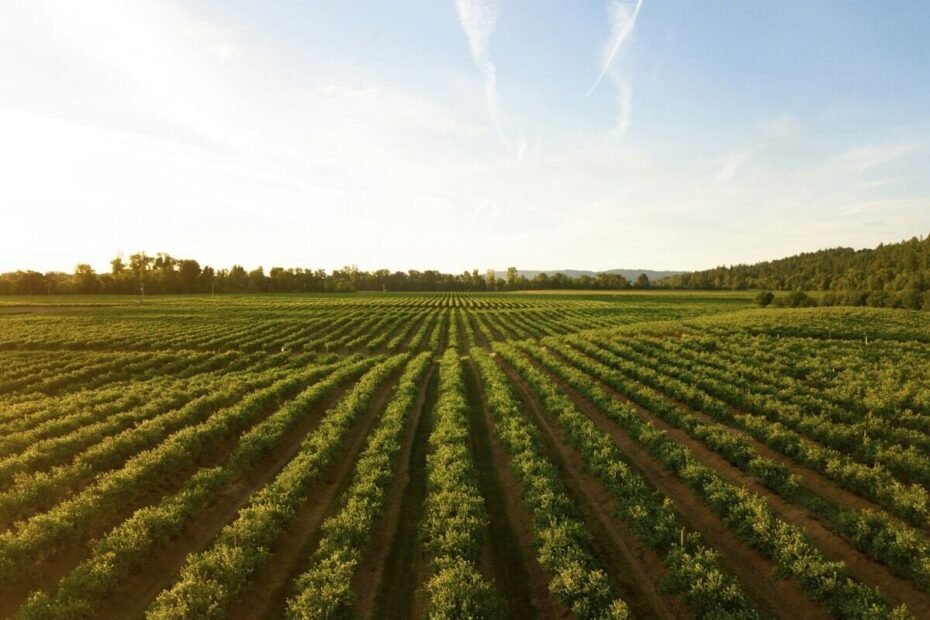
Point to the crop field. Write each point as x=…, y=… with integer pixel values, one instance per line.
x=630, y=455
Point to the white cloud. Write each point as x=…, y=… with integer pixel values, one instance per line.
x=621, y=16
x=729, y=164
x=780, y=127
x=478, y=19
x=864, y=158
x=140, y=125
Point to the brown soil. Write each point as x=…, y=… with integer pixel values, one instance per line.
x=634, y=568
x=66, y=556
x=480, y=337
x=136, y=593
x=509, y=548
x=755, y=573
x=897, y=589
x=387, y=582
x=408, y=337
x=266, y=597
x=812, y=480
x=501, y=555
x=494, y=332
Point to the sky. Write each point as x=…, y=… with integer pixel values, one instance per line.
x=460, y=134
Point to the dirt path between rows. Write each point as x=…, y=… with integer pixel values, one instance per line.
x=480, y=337
x=813, y=480
x=756, y=573
x=68, y=555
x=508, y=551
x=158, y=573
x=389, y=574
x=835, y=547
x=634, y=568
x=266, y=596
x=501, y=558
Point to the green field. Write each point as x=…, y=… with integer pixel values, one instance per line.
x=516, y=455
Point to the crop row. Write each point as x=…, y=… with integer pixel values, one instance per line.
x=324, y=590
x=874, y=532
x=211, y=579
x=455, y=513
x=39, y=537
x=651, y=516
x=750, y=517
x=576, y=579
x=908, y=501
x=128, y=546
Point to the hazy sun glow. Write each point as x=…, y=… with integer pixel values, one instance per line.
x=458, y=134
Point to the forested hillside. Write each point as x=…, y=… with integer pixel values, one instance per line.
x=879, y=276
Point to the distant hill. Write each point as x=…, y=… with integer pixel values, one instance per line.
x=629, y=274
x=888, y=268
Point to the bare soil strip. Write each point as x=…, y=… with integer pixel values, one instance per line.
x=508, y=543
x=480, y=336
x=387, y=582
x=897, y=589
x=778, y=597
x=266, y=597
x=633, y=568
x=69, y=555
x=137, y=593
x=501, y=555
x=813, y=480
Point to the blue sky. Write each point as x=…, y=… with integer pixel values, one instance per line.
x=460, y=134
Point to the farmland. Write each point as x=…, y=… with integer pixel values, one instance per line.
x=614, y=455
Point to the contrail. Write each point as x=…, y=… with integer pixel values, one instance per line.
x=478, y=19
x=622, y=22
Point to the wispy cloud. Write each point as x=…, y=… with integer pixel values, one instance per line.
x=621, y=16
x=729, y=164
x=862, y=159
x=478, y=19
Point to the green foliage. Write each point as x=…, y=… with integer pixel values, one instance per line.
x=562, y=542
x=856, y=275
x=324, y=589
x=211, y=579
x=764, y=298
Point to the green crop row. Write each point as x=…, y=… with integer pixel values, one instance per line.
x=650, y=516
x=576, y=580
x=211, y=579
x=455, y=514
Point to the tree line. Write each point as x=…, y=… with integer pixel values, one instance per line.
x=142, y=274
x=891, y=275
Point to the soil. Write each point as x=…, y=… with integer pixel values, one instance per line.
x=388, y=578
x=634, y=569
x=266, y=597
x=509, y=546
x=755, y=573
x=835, y=547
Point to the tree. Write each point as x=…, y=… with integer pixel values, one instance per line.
x=188, y=272
x=257, y=280
x=139, y=265
x=642, y=281
x=207, y=278
x=30, y=283
x=512, y=277
x=117, y=266
x=764, y=298
x=237, y=278
x=490, y=280
x=85, y=279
